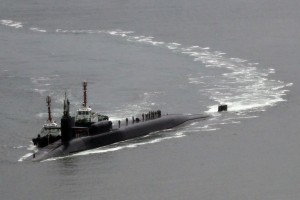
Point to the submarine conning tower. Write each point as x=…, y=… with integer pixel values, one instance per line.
x=67, y=122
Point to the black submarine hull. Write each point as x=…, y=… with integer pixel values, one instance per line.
x=66, y=147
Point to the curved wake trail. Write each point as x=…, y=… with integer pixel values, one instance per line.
x=244, y=86
x=234, y=81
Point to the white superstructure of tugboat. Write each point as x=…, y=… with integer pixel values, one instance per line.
x=50, y=131
x=85, y=116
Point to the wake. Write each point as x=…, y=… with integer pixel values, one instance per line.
x=246, y=87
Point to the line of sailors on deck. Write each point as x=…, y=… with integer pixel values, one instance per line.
x=145, y=117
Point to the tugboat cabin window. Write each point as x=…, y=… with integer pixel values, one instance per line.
x=83, y=113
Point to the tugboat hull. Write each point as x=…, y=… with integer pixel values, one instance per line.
x=41, y=142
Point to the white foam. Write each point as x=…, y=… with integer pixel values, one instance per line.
x=25, y=157
x=271, y=71
x=40, y=91
x=38, y=80
x=19, y=147
x=32, y=148
x=38, y=30
x=11, y=23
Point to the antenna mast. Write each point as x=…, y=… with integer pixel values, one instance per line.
x=66, y=106
x=84, y=94
x=48, y=100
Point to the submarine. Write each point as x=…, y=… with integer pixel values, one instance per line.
x=75, y=139
x=78, y=135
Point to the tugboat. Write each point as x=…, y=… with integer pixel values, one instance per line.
x=50, y=131
x=85, y=117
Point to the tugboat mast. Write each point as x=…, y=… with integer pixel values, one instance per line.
x=85, y=115
x=48, y=100
x=84, y=94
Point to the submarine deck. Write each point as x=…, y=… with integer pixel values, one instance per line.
x=132, y=130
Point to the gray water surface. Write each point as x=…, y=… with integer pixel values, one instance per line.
x=180, y=57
